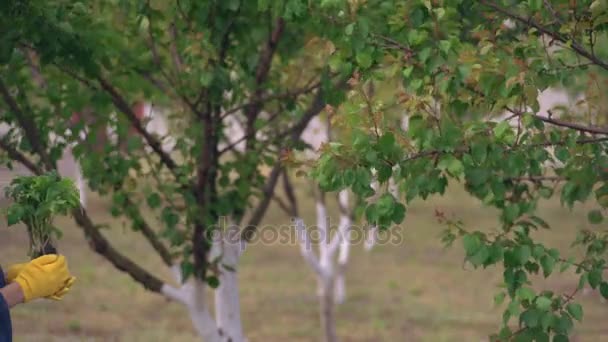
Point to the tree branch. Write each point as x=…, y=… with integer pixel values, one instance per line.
x=561, y=123
x=291, y=196
x=28, y=126
x=124, y=107
x=261, y=74
x=555, y=35
x=273, y=97
x=102, y=246
x=97, y=241
x=140, y=224
x=14, y=154
x=260, y=210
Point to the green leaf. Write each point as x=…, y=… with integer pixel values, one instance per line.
x=398, y=213
x=543, y=303
x=576, y=310
x=531, y=318
x=471, y=243
x=595, y=278
x=547, y=263
x=560, y=338
x=386, y=143
x=499, y=298
x=604, y=289
x=451, y=164
x=154, y=200
x=526, y=293
x=535, y=5
x=595, y=216
x=523, y=253
x=213, y=282
x=564, y=324
x=14, y=215
x=364, y=59
x=502, y=129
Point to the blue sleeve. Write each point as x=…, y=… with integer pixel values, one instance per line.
x=6, y=331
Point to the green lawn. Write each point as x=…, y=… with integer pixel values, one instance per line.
x=415, y=291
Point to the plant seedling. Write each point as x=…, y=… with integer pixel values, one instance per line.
x=37, y=200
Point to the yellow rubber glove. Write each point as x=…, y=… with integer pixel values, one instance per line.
x=46, y=276
x=13, y=271
x=66, y=288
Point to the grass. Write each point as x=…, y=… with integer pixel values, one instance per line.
x=413, y=291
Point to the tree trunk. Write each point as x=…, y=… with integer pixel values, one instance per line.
x=201, y=318
x=227, y=301
x=193, y=296
x=326, y=298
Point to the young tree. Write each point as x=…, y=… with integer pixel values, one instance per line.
x=462, y=65
x=262, y=64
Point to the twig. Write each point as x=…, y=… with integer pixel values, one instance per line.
x=555, y=35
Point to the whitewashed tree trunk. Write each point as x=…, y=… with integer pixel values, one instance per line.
x=227, y=326
x=344, y=249
x=227, y=300
x=328, y=268
x=193, y=296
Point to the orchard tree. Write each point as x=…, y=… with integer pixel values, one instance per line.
x=262, y=64
x=470, y=74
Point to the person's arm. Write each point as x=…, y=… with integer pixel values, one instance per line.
x=12, y=294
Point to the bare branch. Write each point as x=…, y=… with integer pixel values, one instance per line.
x=103, y=247
x=561, y=123
x=291, y=196
x=259, y=212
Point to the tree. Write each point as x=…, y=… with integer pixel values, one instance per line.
x=262, y=64
x=470, y=74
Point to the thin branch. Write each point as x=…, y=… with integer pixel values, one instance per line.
x=561, y=123
x=291, y=196
x=177, y=59
x=28, y=126
x=281, y=203
x=16, y=155
x=261, y=75
x=124, y=107
x=260, y=210
x=574, y=45
x=150, y=235
x=536, y=179
x=273, y=97
x=248, y=135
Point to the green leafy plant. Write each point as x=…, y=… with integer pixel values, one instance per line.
x=37, y=201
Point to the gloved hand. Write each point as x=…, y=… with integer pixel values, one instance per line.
x=46, y=276
x=13, y=271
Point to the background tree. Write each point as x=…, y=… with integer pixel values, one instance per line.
x=463, y=64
